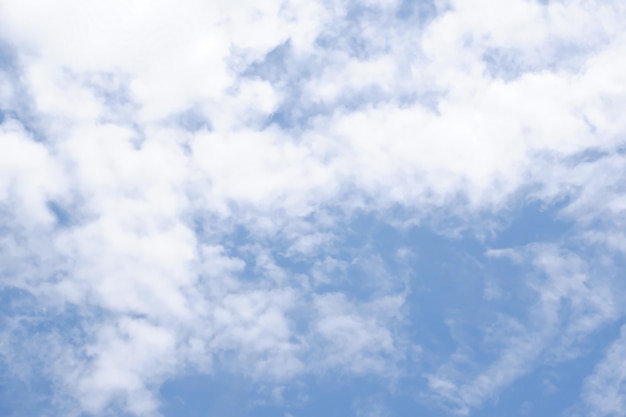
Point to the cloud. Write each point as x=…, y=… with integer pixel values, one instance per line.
x=603, y=393
x=147, y=181
x=359, y=337
x=569, y=303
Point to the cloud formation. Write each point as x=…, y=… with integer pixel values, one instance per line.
x=181, y=185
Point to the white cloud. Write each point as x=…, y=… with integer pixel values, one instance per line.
x=129, y=357
x=29, y=175
x=604, y=392
x=108, y=84
x=569, y=305
x=360, y=338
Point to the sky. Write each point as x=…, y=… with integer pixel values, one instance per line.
x=304, y=208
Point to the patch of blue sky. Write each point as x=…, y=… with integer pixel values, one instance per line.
x=36, y=321
x=6, y=63
x=312, y=396
x=7, y=58
x=285, y=71
x=23, y=397
x=112, y=88
x=369, y=245
x=274, y=66
x=417, y=11
x=18, y=103
x=503, y=63
x=549, y=390
x=201, y=395
x=291, y=73
x=447, y=287
x=552, y=388
x=33, y=331
x=448, y=307
x=193, y=120
x=531, y=222
x=61, y=214
x=21, y=110
x=509, y=64
x=349, y=35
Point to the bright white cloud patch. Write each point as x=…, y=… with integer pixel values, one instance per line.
x=405, y=202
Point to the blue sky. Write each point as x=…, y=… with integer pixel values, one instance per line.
x=301, y=208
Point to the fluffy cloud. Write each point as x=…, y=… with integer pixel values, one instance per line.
x=165, y=167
